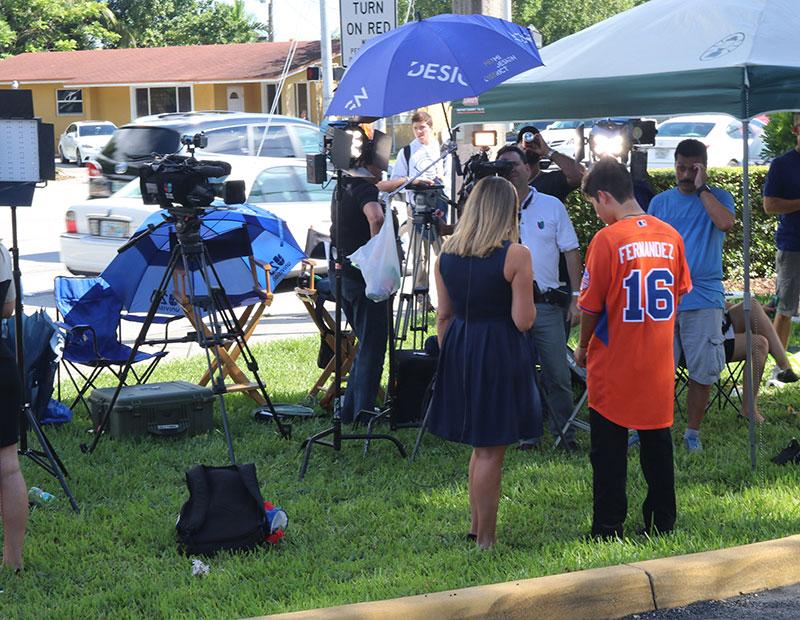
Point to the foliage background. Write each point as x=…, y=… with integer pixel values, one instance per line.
x=778, y=136
x=762, y=247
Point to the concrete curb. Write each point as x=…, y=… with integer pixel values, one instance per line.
x=610, y=592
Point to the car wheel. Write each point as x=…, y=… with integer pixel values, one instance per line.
x=733, y=162
x=78, y=158
x=63, y=157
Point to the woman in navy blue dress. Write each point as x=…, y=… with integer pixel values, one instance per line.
x=485, y=394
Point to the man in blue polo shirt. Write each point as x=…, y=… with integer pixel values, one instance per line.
x=782, y=198
x=702, y=215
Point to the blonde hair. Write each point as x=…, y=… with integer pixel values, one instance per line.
x=490, y=217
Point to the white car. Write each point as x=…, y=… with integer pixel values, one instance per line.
x=83, y=140
x=562, y=136
x=97, y=228
x=721, y=133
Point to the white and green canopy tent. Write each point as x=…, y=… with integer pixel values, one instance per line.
x=665, y=57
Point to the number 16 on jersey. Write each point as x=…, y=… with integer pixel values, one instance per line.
x=649, y=293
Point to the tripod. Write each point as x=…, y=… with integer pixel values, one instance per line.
x=46, y=458
x=335, y=431
x=190, y=255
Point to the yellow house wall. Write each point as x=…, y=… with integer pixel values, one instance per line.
x=204, y=97
x=252, y=97
x=111, y=103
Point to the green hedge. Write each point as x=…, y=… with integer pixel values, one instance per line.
x=762, y=249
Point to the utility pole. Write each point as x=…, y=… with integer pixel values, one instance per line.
x=327, y=59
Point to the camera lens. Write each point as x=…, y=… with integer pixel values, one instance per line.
x=527, y=136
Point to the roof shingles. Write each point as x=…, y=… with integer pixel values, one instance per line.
x=191, y=63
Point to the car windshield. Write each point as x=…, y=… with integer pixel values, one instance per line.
x=288, y=184
x=565, y=124
x=96, y=130
x=131, y=143
x=684, y=129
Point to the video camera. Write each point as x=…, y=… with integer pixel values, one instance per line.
x=184, y=180
x=350, y=150
x=617, y=137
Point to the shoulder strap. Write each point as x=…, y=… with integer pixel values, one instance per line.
x=247, y=473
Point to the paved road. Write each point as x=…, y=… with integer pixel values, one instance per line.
x=779, y=604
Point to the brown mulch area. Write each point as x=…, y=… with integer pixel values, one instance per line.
x=758, y=286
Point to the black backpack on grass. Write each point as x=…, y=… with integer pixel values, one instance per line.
x=225, y=511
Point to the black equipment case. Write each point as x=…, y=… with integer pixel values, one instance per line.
x=415, y=371
x=171, y=408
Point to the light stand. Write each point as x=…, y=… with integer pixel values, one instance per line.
x=335, y=431
x=31, y=159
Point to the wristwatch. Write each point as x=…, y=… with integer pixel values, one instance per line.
x=703, y=188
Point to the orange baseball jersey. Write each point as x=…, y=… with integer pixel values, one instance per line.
x=635, y=273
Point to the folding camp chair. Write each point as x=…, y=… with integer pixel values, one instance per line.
x=726, y=389
x=89, y=312
x=578, y=375
x=253, y=301
x=313, y=299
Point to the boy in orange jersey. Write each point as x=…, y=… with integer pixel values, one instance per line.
x=635, y=273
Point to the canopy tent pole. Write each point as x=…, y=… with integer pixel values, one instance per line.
x=746, y=304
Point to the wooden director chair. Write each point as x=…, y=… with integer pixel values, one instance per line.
x=326, y=325
x=248, y=321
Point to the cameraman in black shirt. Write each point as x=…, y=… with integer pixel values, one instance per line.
x=558, y=183
x=361, y=219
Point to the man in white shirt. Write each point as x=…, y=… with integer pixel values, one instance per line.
x=545, y=228
x=412, y=160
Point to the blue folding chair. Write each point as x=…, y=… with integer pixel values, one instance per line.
x=89, y=312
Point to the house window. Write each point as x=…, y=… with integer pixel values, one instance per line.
x=272, y=90
x=163, y=99
x=301, y=100
x=69, y=101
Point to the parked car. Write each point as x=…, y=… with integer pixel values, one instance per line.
x=232, y=133
x=83, y=140
x=721, y=133
x=97, y=228
x=563, y=136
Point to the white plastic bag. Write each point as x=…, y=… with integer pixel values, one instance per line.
x=379, y=263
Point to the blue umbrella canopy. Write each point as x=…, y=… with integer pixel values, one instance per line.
x=231, y=234
x=443, y=58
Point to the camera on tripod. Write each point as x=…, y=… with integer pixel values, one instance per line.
x=191, y=183
x=428, y=199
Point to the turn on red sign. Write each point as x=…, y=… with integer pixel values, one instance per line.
x=361, y=20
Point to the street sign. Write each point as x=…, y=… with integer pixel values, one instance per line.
x=360, y=20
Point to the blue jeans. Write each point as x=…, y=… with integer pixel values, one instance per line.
x=370, y=323
x=550, y=339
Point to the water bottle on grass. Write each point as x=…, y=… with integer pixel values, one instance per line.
x=37, y=497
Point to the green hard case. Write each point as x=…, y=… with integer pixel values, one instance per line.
x=170, y=408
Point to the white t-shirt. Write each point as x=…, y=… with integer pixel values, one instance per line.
x=422, y=156
x=545, y=228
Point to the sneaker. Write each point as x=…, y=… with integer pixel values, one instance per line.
x=633, y=439
x=692, y=443
x=786, y=376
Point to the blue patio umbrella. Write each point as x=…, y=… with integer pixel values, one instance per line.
x=231, y=234
x=442, y=58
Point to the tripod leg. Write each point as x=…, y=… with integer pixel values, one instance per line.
x=202, y=340
x=236, y=330
x=56, y=468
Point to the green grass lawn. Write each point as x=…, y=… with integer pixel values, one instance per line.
x=363, y=528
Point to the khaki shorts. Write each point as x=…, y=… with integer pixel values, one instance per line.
x=699, y=341
x=787, y=266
